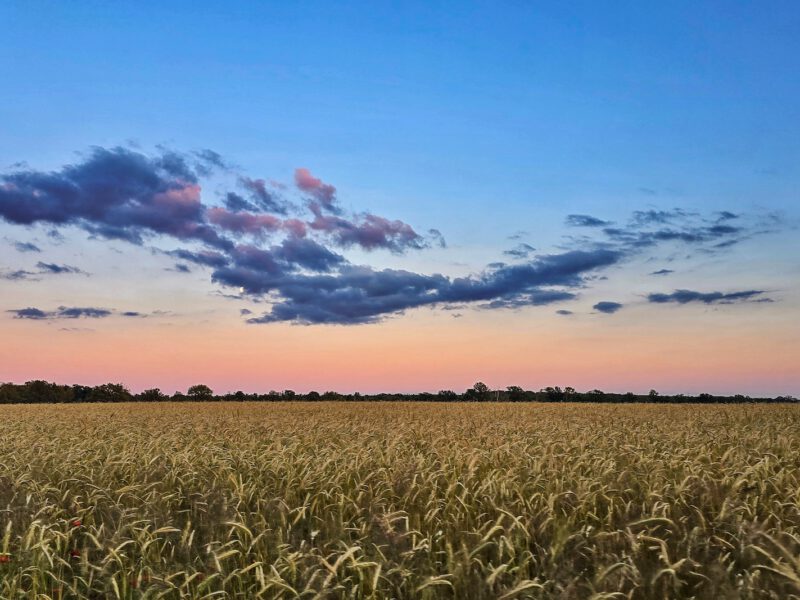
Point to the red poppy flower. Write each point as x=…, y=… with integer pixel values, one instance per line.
x=74, y=553
x=5, y=558
x=76, y=522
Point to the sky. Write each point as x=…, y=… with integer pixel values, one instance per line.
x=374, y=196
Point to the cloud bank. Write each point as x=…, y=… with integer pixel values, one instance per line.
x=255, y=238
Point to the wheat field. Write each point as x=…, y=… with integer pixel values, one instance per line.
x=370, y=500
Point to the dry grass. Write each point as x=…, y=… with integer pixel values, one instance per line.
x=399, y=501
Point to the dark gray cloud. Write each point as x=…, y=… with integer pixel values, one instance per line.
x=62, y=312
x=235, y=203
x=26, y=247
x=206, y=258
x=585, y=221
x=364, y=295
x=44, y=269
x=29, y=313
x=564, y=312
x=535, y=298
x=307, y=254
x=606, y=307
x=19, y=275
x=56, y=269
x=687, y=296
x=114, y=193
x=649, y=228
x=266, y=200
x=662, y=272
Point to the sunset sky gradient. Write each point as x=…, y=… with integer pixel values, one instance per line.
x=378, y=197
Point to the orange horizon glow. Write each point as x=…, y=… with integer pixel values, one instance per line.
x=418, y=352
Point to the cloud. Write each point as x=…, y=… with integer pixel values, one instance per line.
x=606, y=307
x=290, y=254
x=205, y=258
x=44, y=269
x=26, y=247
x=235, y=203
x=114, y=193
x=56, y=269
x=19, y=275
x=520, y=251
x=650, y=216
x=243, y=222
x=436, y=238
x=662, y=272
x=687, y=296
x=648, y=228
x=62, y=312
x=324, y=193
x=368, y=231
x=206, y=161
x=360, y=294
x=30, y=313
x=263, y=198
x=307, y=254
x=535, y=298
x=564, y=312
x=585, y=221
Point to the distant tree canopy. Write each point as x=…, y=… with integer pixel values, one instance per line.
x=200, y=392
x=38, y=391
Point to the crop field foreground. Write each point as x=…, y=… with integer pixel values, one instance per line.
x=369, y=500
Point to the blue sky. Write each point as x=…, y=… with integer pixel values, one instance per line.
x=478, y=119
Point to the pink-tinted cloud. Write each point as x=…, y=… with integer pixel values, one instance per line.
x=325, y=193
x=369, y=232
x=242, y=222
x=295, y=227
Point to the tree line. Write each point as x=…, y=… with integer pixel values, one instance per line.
x=38, y=392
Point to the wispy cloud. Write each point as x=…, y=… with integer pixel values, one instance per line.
x=585, y=221
x=26, y=247
x=62, y=312
x=689, y=296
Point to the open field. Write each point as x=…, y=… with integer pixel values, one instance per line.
x=347, y=500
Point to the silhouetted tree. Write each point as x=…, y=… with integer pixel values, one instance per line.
x=515, y=393
x=151, y=395
x=200, y=392
x=110, y=392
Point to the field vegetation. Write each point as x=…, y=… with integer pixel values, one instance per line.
x=399, y=500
